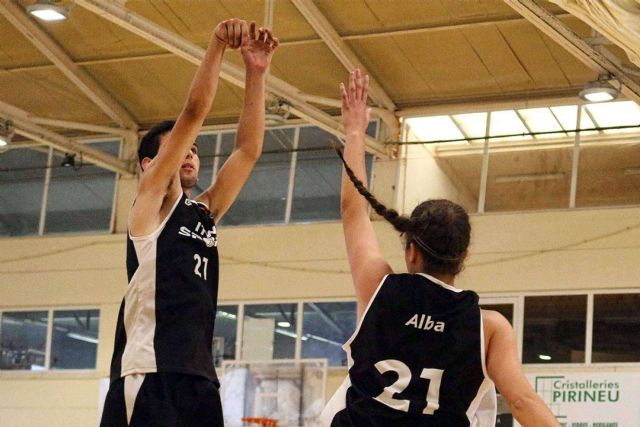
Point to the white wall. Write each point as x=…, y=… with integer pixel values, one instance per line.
x=511, y=252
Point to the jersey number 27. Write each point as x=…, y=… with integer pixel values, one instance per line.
x=404, y=378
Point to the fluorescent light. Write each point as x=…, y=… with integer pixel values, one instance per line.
x=47, y=11
x=530, y=177
x=83, y=338
x=284, y=324
x=632, y=171
x=544, y=357
x=227, y=315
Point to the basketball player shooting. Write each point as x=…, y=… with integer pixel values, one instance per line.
x=424, y=353
x=162, y=370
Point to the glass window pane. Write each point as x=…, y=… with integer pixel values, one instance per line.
x=207, y=154
x=81, y=198
x=608, y=114
x=435, y=128
x=269, y=331
x=316, y=191
x=224, y=333
x=474, y=125
x=23, y=336
x=325, y=328
x=541, y=120
x=616, y=322
x=22, y=172
x=505, y=309
x=507, y=123
x=263, y=199
x=567, y=116
x=74, y=340
x=554, y=329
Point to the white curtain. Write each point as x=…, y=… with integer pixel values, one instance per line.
x=617, y=20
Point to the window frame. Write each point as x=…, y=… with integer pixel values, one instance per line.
x=49, y=341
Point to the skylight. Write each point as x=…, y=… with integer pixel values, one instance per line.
x=434, y=128
x=558, y=120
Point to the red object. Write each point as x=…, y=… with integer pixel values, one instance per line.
x=264, y=422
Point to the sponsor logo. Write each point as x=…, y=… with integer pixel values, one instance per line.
x=208, y=237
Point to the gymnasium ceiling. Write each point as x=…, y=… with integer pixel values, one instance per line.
x=424, y=56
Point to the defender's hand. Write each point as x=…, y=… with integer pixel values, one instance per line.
x=355, y=113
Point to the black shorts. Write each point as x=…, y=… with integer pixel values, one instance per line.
x=162, y=399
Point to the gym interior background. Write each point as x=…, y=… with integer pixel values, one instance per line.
x=479, y=101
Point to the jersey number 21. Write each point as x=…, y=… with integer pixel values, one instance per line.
x=404, y=378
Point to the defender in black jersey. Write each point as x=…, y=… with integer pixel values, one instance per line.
x=424, y=354
x=162, y=371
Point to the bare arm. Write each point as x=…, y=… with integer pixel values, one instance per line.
x=365, y=259
x=257, y=53
x=154, y=185
x=505, y=370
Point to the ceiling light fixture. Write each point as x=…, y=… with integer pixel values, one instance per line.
x=48, y=10
x=599, y=90
x=277, y=113
x=530, y=177
x=69, y=160
x=6, y=132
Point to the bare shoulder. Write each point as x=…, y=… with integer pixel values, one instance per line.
x=494, y=322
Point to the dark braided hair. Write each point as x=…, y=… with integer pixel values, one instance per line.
x=439, y=228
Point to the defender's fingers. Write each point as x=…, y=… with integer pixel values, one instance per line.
x=352, y=86
x=365, y=88
x=359, y=84
x=252, y=30
x=343, y=92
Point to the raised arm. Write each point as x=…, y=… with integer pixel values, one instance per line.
x=159, y=172
x=257, y=51
x=504, y=368
x=367, y=266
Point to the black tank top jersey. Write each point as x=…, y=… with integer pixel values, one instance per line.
x=167, y=316
x=416, y=359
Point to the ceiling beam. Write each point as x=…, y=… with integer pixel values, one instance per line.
x=504, y=101
x=380, y=34
x=345, y=55
x=54, y=52
x=233, y=74
x=27, y=128
x=572, y=42
x=65, y=124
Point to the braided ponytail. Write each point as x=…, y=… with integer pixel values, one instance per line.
x=439, y=228
x=399, y=222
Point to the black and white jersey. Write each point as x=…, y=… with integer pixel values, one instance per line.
x=416, y=359
x=167, y=316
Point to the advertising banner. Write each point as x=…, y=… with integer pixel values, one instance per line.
x=591, y=399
